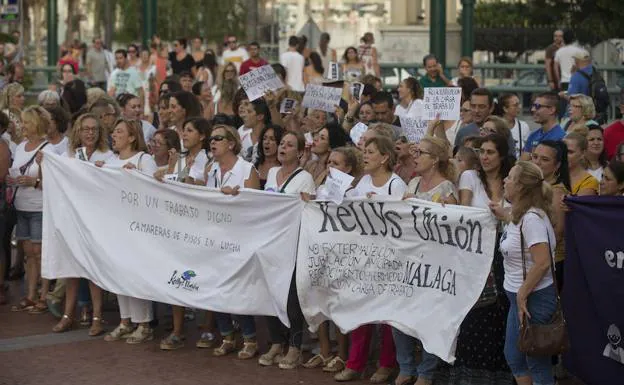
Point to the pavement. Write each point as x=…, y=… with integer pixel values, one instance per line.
x=31, y=354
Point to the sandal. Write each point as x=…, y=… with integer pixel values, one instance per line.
x=122, y=331
x=249, y=350
x=228, y=345
x=292, y=360
x=23, y=305
x=172, y=342
x=317, y=361
x=40, y=307
x=381, y=375
x=96, y=328
x=335, y=365
x=65, y=324
x=206, y=340
x=272, y=357
x=347, y=375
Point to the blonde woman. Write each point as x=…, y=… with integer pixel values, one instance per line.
x=226, y=90
x=582, y=113
x=12, y=103
x=25, y=175
x=582, y=182
x=130, y=148
x=88, y=142
x=529, y=239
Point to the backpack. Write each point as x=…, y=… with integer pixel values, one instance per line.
x=599, y=93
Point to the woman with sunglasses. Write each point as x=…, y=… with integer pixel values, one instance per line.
x=434, y=183
x=130, y=148
x=289, y=178
x=230, y=173
x=88, y=142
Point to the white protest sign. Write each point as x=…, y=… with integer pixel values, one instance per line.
x=260, y=80
x=443, y=101
x=356, y=90
x=413, y=129
x=321, y=98
x=309, y=139
x=336, y=184
x=333, y=71
x=287, y=106
x=357, y=131
x=167, y=242
x=412, y=264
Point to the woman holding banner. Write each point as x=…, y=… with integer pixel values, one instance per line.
x=379, y=160
x=529, y=239
x=480, y=344
x=434, y=184
x=88, y=142
x=230, y=173
x=183, y=105
x=290, y=178
x=270, y=138
x=129, y=144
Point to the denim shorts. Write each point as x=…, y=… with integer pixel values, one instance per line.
x=29, y=226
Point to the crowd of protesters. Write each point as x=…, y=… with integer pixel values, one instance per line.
x=184, y=113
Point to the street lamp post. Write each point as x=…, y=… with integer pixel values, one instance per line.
x=149, y=20
x=467, y=20
x=52, y=21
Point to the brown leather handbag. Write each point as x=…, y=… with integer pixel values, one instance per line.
x=548, y=339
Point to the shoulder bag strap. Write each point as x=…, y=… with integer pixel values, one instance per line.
x=551, y=262
x=291, y=177
x=417, y=186
x=390, y=186
x=139, y=162
x=519, y=137
x=25, y=167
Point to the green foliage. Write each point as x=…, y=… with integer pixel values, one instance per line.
x=593, y=20
x=210, y=19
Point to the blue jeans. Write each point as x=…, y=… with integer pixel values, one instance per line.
x=542, y=305
x=405, y=355
x=247, y=322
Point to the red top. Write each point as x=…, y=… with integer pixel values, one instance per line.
x=250, y=65
x=70, y=61
x=613, y=135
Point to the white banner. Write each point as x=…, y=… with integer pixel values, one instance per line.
x=415, y=265
x=166, y=242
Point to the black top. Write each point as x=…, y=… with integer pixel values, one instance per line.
x=185, y=64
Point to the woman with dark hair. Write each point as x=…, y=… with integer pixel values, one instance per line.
x=552, y=158
x=131, y=109
x=313, y=72
x=203, y=91
x=410, y=98
x=280, y=70
x=481, y=340
x=467, y=85
x=596, y=156
x=352, y=67
x=270, y=137
x=55, y=133
x=164, y=142
x=511, y=108
x=169, y=86
x=464, y=71
x=75, y=95
x=180, y=60
x=207, y=68
x=327, y=138
x=368, y=54
x=183, y=105
x=68, y=73
x=612, y=182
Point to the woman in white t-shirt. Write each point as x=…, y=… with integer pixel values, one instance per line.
x=410, y=98
x=59, y=121
x=480, y=345
x=88, y=142
x=289, y=178
x=165, y=148
x=528, y=237
x=379, y=160
x=25, y=175
x=129, y=144
x=520, y=129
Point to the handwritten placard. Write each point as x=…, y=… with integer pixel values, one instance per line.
x=414, y=129
x=442, y=101
x=287, y=106
x=257, y=82
x=321, y=98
